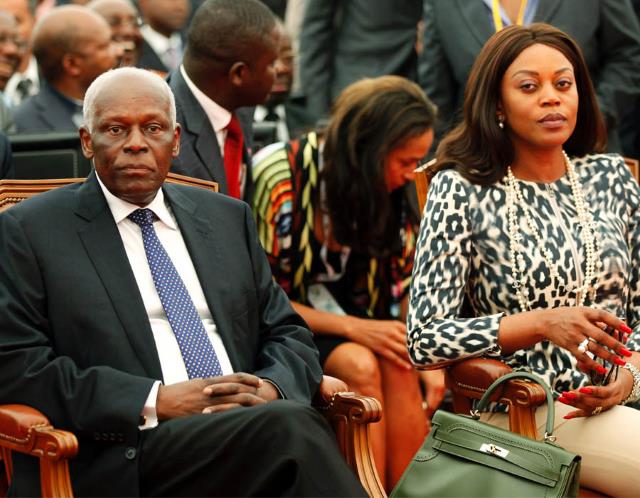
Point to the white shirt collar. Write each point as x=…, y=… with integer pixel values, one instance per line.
x=160, y=43
x=218, y=115
x=120, y=208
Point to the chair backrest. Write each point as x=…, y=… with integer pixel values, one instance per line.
x=14, y=191
x=48, y=155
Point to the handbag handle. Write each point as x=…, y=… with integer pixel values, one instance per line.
x=484, y=401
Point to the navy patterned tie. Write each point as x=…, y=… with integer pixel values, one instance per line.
x=196, y=348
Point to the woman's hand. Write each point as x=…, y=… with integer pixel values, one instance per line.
x=591, y=400
x=387, y=338
x=570, y=327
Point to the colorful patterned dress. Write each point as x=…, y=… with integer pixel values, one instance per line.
x=287, y=183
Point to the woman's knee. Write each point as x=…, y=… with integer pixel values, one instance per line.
x=356, y=365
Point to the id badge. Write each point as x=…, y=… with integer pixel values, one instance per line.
x=322, y=300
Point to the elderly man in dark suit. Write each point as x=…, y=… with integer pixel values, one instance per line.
x=606, y=30
x=72, y=45
x=144, y=318
x=228, y=63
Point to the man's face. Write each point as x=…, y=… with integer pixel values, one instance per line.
x=283, y=69
x=24, y=19
x=9, y=51
x=261, y=70
x=125, y=29
x=132, y=140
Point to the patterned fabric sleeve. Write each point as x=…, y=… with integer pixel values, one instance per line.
x=272, y=207
x=436, y=333
x=631, y=193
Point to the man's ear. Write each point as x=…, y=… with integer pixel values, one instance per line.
x=70, y=65
x=175, y=150
x=238, y=73
x=85, y=141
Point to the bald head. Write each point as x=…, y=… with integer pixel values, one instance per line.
x=126, y=81
x=107, y=8
x=72, y=30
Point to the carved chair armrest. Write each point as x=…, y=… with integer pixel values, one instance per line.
x=26, y=430
x=350, y=415
x=469, y=380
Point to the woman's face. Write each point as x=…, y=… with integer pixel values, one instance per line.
x=539, y=98
x=403, y=159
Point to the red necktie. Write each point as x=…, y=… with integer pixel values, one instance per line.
x=233, y=156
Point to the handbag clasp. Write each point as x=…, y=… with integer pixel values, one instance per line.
x=494, y=450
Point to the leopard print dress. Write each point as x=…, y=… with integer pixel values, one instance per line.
x=463, y=250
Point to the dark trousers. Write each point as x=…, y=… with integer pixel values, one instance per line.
x=280, y=448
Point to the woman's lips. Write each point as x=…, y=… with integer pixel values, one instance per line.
x=554, y=120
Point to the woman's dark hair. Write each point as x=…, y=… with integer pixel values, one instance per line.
x=481, y=151
x=370, y=118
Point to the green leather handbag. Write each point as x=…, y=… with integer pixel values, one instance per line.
x=463, y=456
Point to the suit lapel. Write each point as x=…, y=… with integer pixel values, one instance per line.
x=206, y=249
x=546, y=10
x=197, y=128
x=477, y=18
x=104, y=247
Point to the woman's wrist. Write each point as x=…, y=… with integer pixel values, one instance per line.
x=633, y=393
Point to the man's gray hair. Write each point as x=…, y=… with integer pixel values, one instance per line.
x=89, y=104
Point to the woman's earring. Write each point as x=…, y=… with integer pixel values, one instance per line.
x=501, y=121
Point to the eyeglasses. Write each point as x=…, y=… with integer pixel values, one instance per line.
x=6, y=38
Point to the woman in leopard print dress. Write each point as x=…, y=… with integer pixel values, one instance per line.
x=545, y=248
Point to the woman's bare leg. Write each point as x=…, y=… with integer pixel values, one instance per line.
x=358, y=366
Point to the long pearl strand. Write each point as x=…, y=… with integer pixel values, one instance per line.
x=588, y=236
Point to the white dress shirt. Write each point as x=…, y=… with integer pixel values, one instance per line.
x=168, y=232
x=12, y=97
x=282, y=130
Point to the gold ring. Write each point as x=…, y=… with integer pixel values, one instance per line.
x=596, y=410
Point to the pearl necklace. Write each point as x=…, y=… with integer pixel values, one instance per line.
x=588, y=236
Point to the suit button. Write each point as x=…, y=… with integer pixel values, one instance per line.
x=130, y=453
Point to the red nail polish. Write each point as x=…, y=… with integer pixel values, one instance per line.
x=586, y=390
x=569, y=395
x=626, y=329
x=568, y=417
x=601, y=369
x=625, y=352
x=563, y=400
x=619, y=362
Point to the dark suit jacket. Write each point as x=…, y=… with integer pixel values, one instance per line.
x=150, y=60
x=6, y=160
x=606, y=30
x=75, y=339
x=45, y=111
x=200, y=155
x=344, y=41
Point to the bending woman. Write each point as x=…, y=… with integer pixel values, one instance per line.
x=542, y=234
x=335, y=222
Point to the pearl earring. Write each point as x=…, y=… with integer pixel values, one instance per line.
x=501, y=122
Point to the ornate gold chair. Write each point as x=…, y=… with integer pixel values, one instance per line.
x=26, y=430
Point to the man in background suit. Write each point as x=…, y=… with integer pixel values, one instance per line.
x=72, y=45
x=344, y=41
x=91, y=278
x=228, y=64
x=606, y=30
x=162, y=33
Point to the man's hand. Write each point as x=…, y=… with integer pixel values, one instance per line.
x=213, y=395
